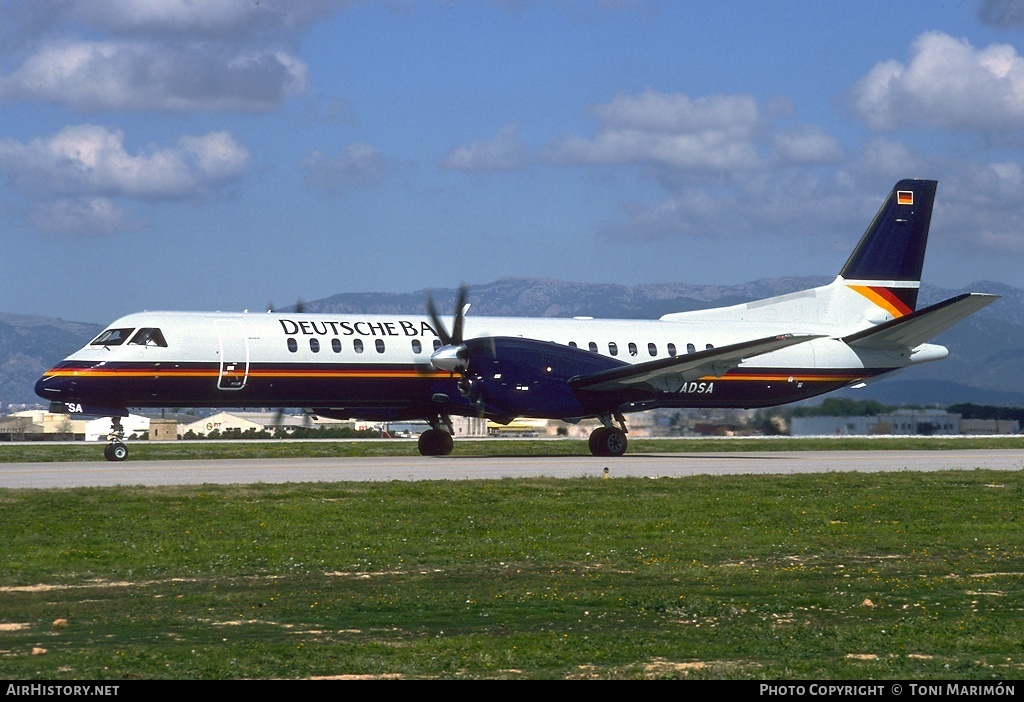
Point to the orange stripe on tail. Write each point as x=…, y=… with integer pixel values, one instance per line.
x=884, y=298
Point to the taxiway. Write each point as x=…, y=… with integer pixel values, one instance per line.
x=226, y=471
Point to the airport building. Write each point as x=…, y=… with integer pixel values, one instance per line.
x=911, y=423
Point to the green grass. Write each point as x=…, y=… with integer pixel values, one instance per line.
x=900, y=576
x=26, y=452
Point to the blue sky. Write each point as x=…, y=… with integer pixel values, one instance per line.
x=172, y=154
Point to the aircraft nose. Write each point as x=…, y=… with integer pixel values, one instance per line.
x=52, y=386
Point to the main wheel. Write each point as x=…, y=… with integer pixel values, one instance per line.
x=596, y=441
x=615, y=442
x=435, y=442
x=607, y=441
x=115, y=451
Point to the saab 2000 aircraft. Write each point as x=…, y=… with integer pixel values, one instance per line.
x=862, y=326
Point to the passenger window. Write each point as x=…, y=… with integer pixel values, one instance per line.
x=336, y=344
x=709, y=347
x=379, y=343
x=112, y=337
x=314, y=345
x=293, y=345
x=417, y=347
x=358, y=345
x=437, y=344
x=690, y=348
x=572, y=344
x=613, y=348
x=652, y=349
x=632, y=349
x=671, y=349
x=592, y=346
x=149, y=336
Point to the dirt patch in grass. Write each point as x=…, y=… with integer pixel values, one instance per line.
x=43, y=587
x=995, y=575
x=382, y=676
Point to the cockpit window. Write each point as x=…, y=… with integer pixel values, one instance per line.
x=149, y=336
x=112, y=337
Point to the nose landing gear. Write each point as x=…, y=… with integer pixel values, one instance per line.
x=436, y=441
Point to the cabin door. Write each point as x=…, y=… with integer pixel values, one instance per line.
x=234, y=355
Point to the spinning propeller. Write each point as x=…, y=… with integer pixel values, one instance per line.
x=453, y=356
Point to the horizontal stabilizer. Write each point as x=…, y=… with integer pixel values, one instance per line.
x=668, y=374
x=920, y=326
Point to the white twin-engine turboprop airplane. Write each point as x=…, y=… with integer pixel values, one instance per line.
x=863, y=325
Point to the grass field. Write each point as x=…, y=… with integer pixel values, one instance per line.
x=900, y=575
x=26, y=452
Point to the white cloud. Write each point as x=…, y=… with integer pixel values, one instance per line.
x=807, y=145
x=222, y=17
x=172, y=55
x=709, y=133
x=73, y=179
x=751, y=206
x=89, y=216
x=357, y=165
x=982, y=205
x=652, y=111
x=892, y=159
x=139, y=75
x=89, y=160
x=946, y=83
x=75, y=175
x=505, y=152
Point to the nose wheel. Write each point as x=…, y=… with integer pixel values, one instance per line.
x=435, y=442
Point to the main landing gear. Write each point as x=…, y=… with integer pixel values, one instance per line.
x=115, y=450
x=609, y=440
x=437, y=441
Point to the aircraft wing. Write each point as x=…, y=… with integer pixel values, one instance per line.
x=918, y=327
x=668, y=374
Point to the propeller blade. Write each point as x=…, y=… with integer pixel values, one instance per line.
x=439, y=327
x=300, y=306
x=460, y=313
x=453, y=356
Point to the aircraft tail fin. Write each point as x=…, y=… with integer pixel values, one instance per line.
x=886, y=266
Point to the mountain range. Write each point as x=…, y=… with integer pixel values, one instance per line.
x=985, y=365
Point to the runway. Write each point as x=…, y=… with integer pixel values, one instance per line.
x=227, y=471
